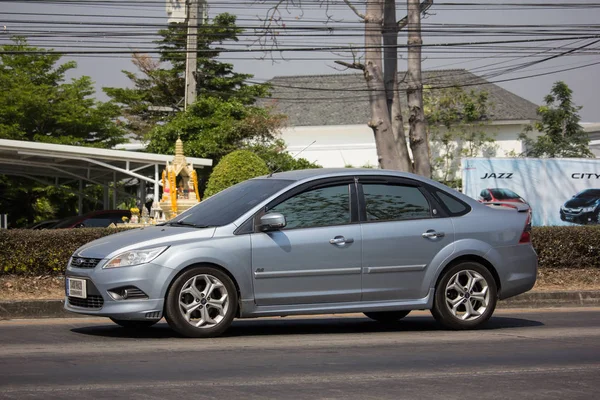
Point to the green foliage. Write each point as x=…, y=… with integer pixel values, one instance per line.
x=47, y=252
x=162, y=84
x=277, y=159
x=562, y=136
x=43, y=252
x=234, y=168
x=26, y=201
x=457, y=123
x=213, y=127
x=37, y=105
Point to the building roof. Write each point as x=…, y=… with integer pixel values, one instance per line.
x=342, y=99
x=44, y=160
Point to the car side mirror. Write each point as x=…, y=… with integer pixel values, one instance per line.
x=272, y=222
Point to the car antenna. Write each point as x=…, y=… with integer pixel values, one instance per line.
x=294, y=156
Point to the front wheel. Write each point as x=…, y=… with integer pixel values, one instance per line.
x=131, y=324
x=387, y=316
x=465, y=296
x=202, y=302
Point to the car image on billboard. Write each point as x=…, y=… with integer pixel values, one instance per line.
x=582, y=208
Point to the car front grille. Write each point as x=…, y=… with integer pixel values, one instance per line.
x=83, y=262
x=92, y=301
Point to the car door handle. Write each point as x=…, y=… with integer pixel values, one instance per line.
x=340, y=240
x=433, y=234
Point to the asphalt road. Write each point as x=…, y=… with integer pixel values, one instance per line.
x=539, y=354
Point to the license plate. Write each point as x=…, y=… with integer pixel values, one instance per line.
x=76, y=288
x=569, y=218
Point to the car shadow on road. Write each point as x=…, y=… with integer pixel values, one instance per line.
x=304, y=326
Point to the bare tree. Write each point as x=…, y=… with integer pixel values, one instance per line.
x=414, y=92
x=380, y=69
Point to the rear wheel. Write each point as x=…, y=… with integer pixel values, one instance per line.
x=465, y=296
x=130, y=324
x=202, y=302
x=387, y=316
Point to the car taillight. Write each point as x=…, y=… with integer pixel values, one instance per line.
x=526, y=235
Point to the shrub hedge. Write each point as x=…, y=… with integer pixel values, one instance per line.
x=234, y=168
x=43, y=252
x=46, y=252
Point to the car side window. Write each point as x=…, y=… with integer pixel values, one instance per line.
x=325, y=206
x=387, y=202
x=454, y=206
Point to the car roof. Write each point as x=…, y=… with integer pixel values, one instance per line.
x=302, y=174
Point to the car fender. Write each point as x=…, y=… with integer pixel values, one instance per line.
x=462, y=247
x=233, y=254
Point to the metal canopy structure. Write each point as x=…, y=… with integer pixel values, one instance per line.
x=56, y=164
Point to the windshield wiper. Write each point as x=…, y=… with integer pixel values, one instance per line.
x=183, y=223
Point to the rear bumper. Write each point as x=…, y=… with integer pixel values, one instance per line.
x=517, y=269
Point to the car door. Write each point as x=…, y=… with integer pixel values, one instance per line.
x=316, y=258
x=402, y=232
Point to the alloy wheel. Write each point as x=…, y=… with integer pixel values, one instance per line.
x=467, y=295
x=203, y=301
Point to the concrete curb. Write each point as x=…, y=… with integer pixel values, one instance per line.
x=16, y=309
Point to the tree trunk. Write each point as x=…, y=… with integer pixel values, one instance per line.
x=387, y=152
x=417, y=129
x=390, y=73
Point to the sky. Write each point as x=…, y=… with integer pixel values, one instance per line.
x=128, y=26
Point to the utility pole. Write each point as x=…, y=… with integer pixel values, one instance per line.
x=194, y=8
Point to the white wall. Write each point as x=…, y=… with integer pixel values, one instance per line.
x=341, y=145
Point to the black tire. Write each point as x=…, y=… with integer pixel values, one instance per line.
x=441, y=310
x=178, y=322
x=387, y=316
x=131, y=324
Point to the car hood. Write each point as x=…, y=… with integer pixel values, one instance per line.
x=581, y=202
x=153, y=236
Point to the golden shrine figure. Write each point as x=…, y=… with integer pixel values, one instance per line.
x=180, y=185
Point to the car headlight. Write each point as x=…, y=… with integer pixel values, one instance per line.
x=135, y=257
x=588, y=209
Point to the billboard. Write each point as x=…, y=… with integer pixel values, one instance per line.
x=560, y=191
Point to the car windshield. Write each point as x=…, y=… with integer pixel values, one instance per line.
x=504, y=194
x=590, y=193
x=225, y=207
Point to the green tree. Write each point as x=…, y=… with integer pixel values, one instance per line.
x=457, y=123
x=213, y=127
x=562, y=135
x=234, y=168
x=278, y=159
x=37, y=104
x=161, y=85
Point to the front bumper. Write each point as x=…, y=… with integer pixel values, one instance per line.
x=577, y=218
x=150, y=278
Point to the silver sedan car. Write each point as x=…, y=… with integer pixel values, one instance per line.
x=311, y=242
